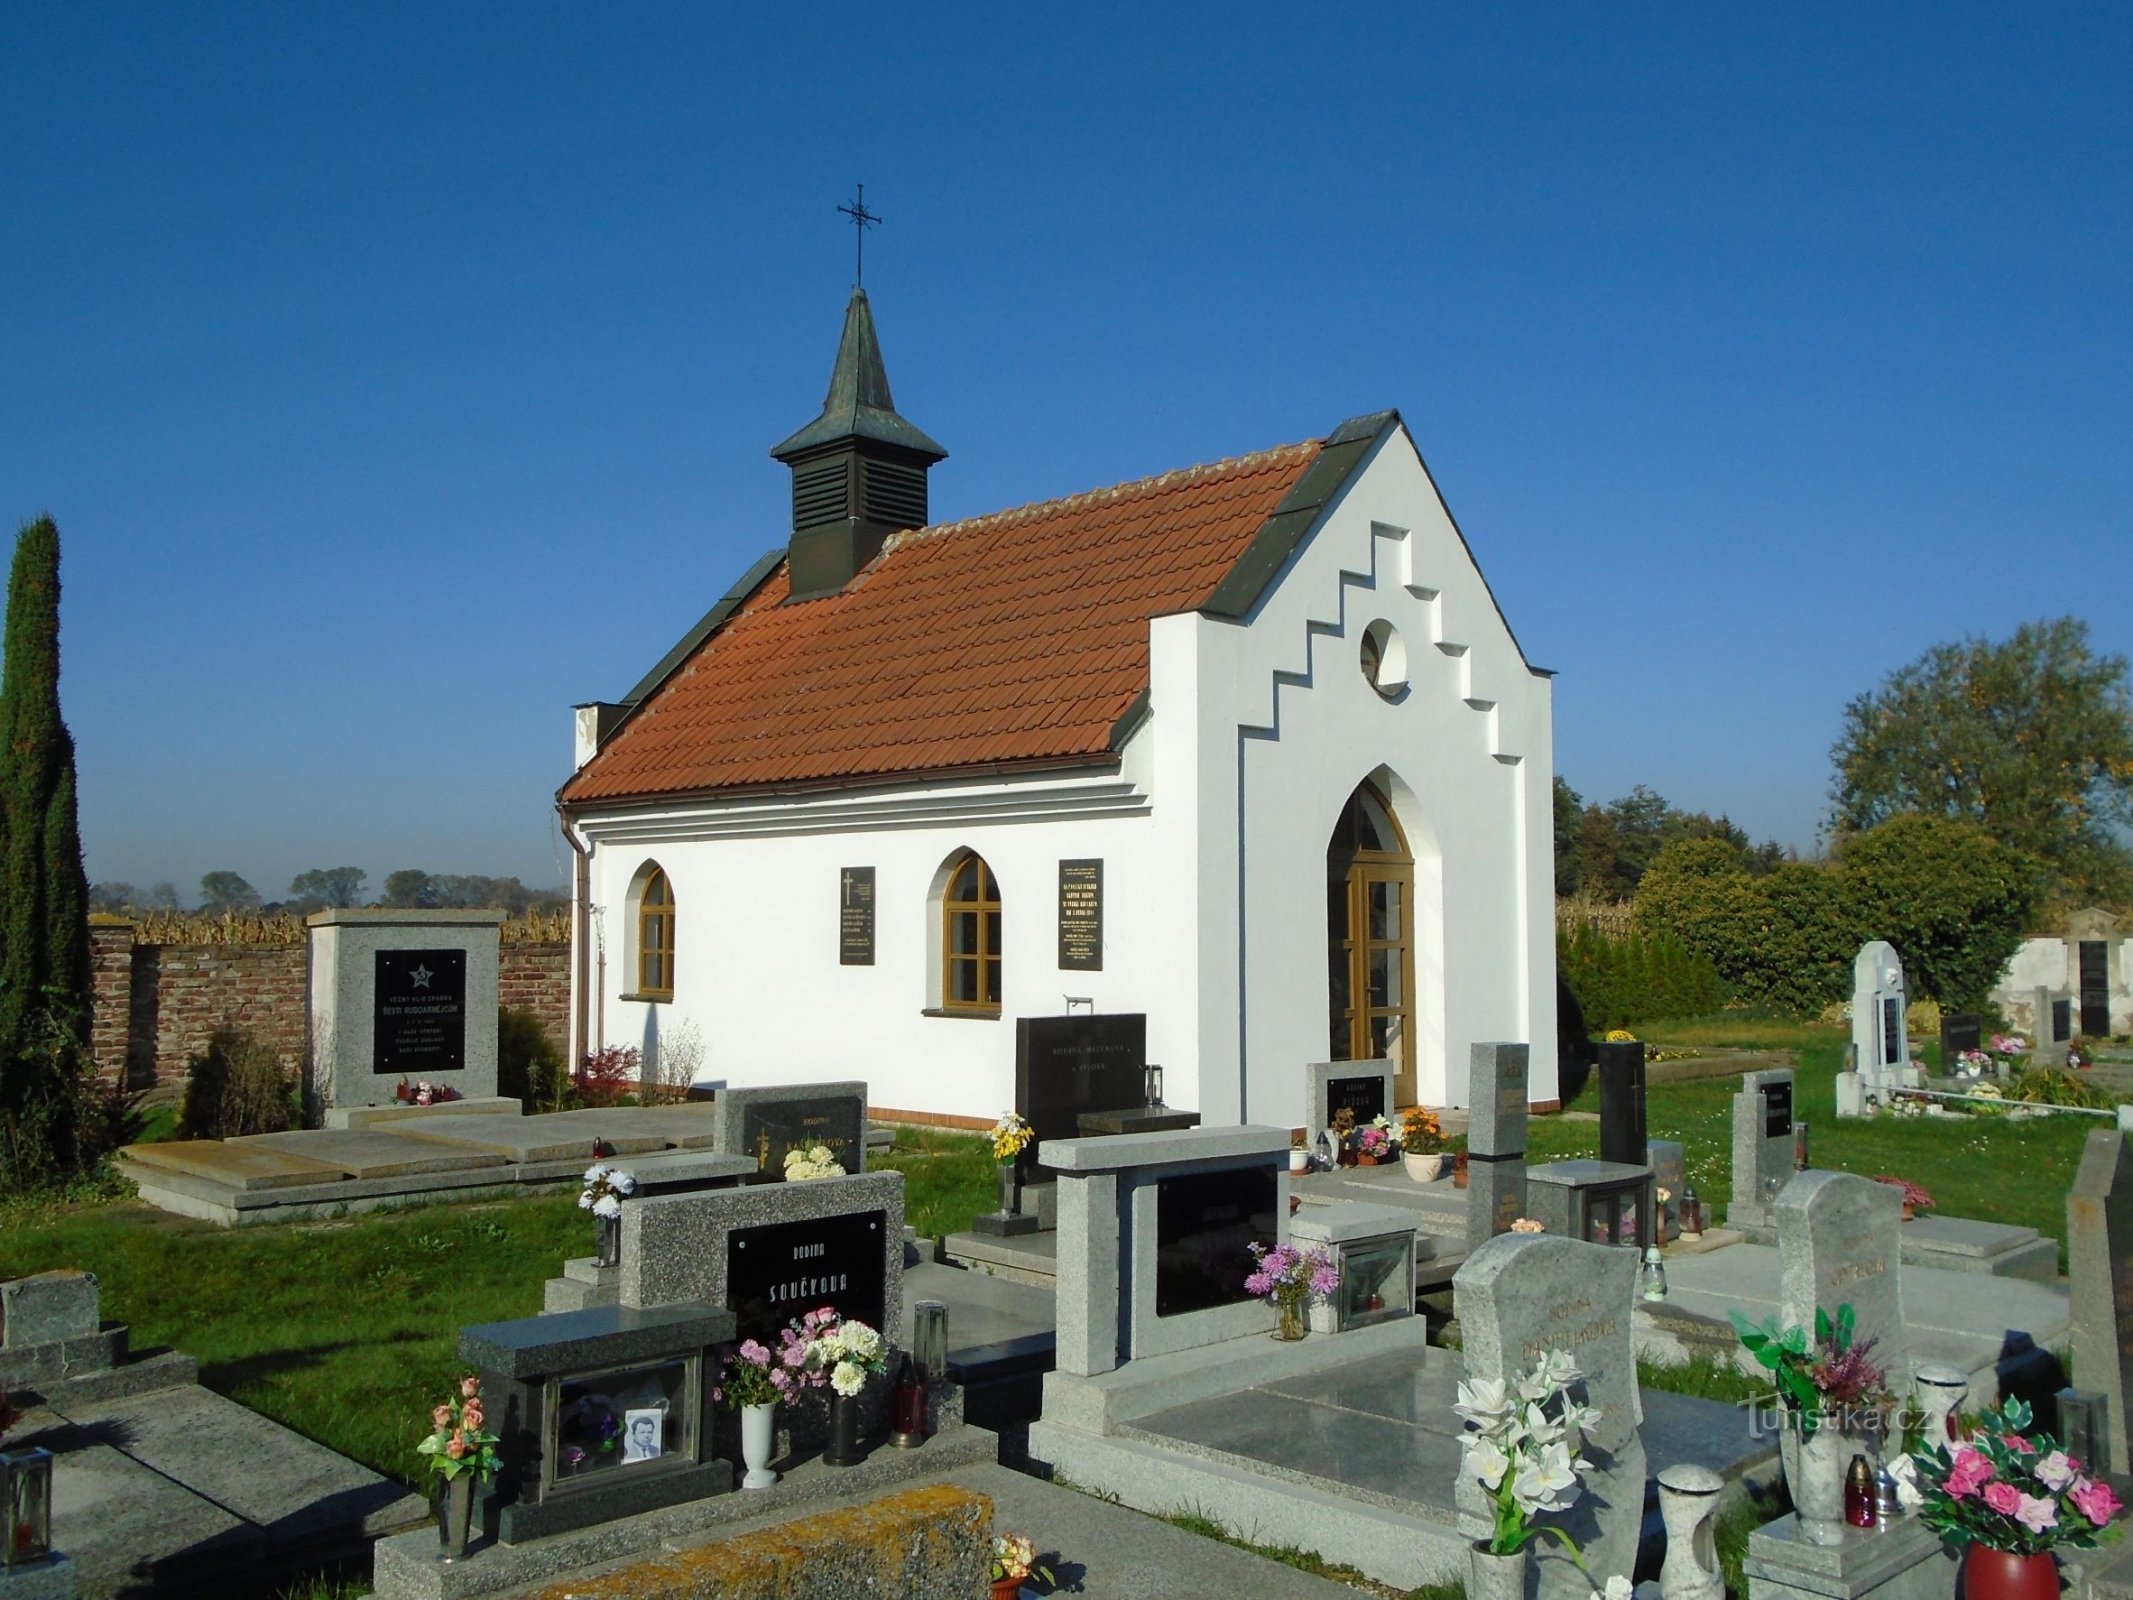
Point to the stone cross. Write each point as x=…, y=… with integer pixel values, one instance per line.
x=2099, y=1249
x=1838, y=1245
x=1495, y=1141
x=1762, y=1146
x=1521, y=1295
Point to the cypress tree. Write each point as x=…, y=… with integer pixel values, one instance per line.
x=44, y=894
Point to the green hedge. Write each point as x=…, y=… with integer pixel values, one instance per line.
x=1635, y=978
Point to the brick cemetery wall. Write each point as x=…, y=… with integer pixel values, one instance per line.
x=162, y=986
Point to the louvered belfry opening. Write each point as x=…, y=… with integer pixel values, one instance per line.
x=858, y=470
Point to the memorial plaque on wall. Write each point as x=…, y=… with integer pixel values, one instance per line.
x=784, y=1269
x=419, y=1023
x=855, y=917
x=1777, y=1110
x=1205, y=1223
x=1067, y=1065
x=769, y=1128
x=1363, y=1096
x=1891, y=1030
x=1081, y=916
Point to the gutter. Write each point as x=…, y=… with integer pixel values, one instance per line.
x=581, y=937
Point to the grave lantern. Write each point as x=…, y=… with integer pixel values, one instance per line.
x=26, y=1500
x=1153, y=1085
x=1691, y=1213
x=1799, y=1147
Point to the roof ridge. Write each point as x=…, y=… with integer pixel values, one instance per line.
x=1088, y=497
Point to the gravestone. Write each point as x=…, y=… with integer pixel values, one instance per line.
x=771, y=1252
x=1521, y=1295
x=2099, y=1249
x=765, y=1122
x=1959, y=1031
x=1495, y=1141
x=1838, y=1244
x=1622, y=1102
x=1363, y=1087
x=1762, y=1146
x=1068, y=1065
x=2053, y=1010
x=400, y=996
x=1878, y=1002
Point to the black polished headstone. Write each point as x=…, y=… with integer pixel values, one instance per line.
x=769, y=1128
x=1959, y=1031
x=1891, y=1030
x=783, y=1270
x=1067, y=1065
x=419, y=1023
x=1777, y=1110
x=1621, y=1072
x=1205, y=1223
x=2062, y=1021
x=1365, y=1096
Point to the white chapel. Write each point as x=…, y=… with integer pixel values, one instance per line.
x=1247, y=747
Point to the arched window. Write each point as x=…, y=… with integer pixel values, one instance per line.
x=655, y=937
x=970, y=938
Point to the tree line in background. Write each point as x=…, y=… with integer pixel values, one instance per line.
x=1979, y=791
x=333, y=888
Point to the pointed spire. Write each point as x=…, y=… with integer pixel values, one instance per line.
x=858, y=405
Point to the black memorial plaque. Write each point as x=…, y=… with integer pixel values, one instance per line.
x=1081, y=916
x=1777, y=1110
x=769, y=1128
x=2094, y=961
x=1891, y=1030
x=419, y=1022
x=2062, y=1021
x=1067, y=1065
x=783, y=1270
x=1363, y=1096
x=855, y=917
x=1205, y=1223
x=1959, y=1031
x=1621, y=1070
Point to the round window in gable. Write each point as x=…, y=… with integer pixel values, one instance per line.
x=1385, y=660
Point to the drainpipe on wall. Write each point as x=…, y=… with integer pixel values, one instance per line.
x=581, y=897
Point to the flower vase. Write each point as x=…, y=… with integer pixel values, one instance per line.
x=455, y=1516
x=843, y=1447
x=1006, y=1588
x=1814, y=1475
x=1007, y=1188
x=607, y=1239
x=1494, y=1577
x=1423, y=1168
x=2006, y=1575
x=1292, y=1325
x=758, y=1441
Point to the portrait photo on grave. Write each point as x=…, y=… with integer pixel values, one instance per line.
x=643, y=1431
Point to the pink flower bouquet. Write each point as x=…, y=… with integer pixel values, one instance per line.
x=1288, y=1276
x=2006, y=1491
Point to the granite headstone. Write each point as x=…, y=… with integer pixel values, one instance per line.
x=764, y=1122
x=1363, y=1087
x=1838, y=1245
x=1762, y=1146
x=2099, y=1248
x=1495, y=1141
x=1879, y=999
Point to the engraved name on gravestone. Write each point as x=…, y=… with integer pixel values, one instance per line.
x=2099, y=1248
x=1205, y=1223
x=783, y=1270
x=1067, y=1065
x=1762, y=1145
x=1777, y=1110
x=1838, y=1245
x=1081, y=917
x=1364, y=1097
x=1521, y=1295
x=1959, y=1031
x=855, y=917
x=420, y=1019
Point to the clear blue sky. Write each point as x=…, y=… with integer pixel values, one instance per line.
x=400, y=376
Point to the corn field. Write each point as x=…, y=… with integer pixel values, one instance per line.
x=286, y=928
x=1610, y=917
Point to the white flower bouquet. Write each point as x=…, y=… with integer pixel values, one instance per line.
x=815, y=1161
x=1522, y=1445
x=849, y=1352
x=605, y=1189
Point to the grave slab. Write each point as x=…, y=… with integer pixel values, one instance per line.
x=683, y=1127
x=528, y=1139
x=364, y=1153
x=1997, y=1249
x=231, y=1166
x=465, y=1106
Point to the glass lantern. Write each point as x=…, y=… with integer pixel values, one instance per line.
x=929, y=1340
x=26, y=1500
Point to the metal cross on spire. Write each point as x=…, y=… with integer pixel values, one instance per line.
x=862, y=219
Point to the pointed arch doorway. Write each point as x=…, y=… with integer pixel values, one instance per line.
x=1370, y=919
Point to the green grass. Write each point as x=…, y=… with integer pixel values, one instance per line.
x=345, y=1331
x=1195, y=1520
x=948, y=1178
x=1983, y=1167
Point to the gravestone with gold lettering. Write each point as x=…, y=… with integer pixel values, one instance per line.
x=1521, y=1295
x=1838, y=1245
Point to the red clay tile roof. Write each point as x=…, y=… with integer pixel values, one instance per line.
x=1016, y=637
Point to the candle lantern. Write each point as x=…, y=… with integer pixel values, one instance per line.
x=26, y=1501
x=1691, y=1213
x=907, y=1406
x=925, y=1369
x=1152, y=1077
x=1799, y=1147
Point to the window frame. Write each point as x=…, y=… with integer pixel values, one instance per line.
x=985, y=960
x=655, y=934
